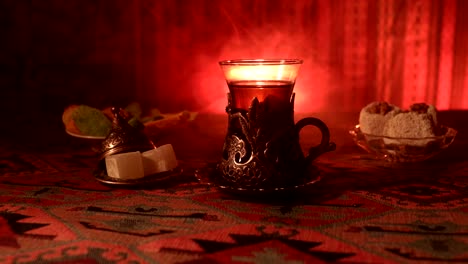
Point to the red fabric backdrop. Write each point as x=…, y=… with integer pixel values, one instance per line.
x=354, y=51
x=164, y=53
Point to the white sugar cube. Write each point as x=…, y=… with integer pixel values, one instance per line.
x=160, y=159
x=127, y=165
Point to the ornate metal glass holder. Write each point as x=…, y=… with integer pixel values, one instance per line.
x=261, y=147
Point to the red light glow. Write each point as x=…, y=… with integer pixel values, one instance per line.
x=354, y=52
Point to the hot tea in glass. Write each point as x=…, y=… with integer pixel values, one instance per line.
x=243, y=92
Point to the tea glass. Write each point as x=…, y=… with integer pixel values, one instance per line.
x=261, y=147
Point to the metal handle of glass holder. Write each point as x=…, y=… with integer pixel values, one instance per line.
x=325, y=144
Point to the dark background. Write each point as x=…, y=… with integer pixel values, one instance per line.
x=164, y=53
x=50, y=56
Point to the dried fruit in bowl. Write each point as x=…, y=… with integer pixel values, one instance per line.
x=86, y=120
x=168, y=121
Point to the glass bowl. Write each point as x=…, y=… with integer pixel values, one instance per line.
x=404, y=150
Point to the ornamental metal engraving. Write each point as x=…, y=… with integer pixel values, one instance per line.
x=261, y=147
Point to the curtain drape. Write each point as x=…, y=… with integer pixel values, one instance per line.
x=355, y=51
x=165, y=53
